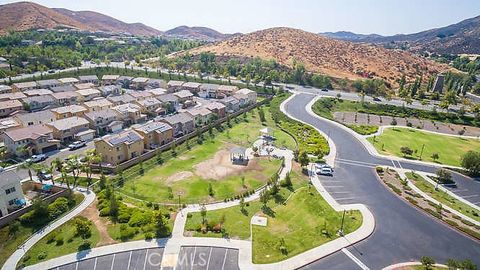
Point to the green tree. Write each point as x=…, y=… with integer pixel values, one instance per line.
x=406, y=151
x=427, y=262
x=303, y=159
x=27, y=165
x=435, y=156
x=471, y=162
x=82, y=228
x=203, y=213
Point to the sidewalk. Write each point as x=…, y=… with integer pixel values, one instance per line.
x=15, y=258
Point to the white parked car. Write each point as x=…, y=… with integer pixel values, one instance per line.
x=325, y=171
x=76, y=145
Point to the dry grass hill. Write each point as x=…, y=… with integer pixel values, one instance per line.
x=323, y=55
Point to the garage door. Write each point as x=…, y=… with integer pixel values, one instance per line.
x=49, y=148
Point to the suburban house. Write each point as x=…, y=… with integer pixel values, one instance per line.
x=5, y=89
x=182, y=123
x=169, y=100
x=66, y=129
x=217, y=108
x=139, y=83
x=37, y=92
x=124, y=81
x=65, y=98
x=201, y=115
x=156, y=83
x=10, y=106
x=11, y=194
x=226, y=90
x=231, y=103
x=174, y=86
x=81, y=86
x=252, y=95
x=98, y=104
x=110, y=79
x=88, y=94
x=208, y=90
x=63, y=88
x=88, y=79
x=100, y=120
x=12, y=96
x=121, y=99
x=68, y=81
x=69, y=111
x=193, y=87
x=20, y=87
x=183, y=96
x=35, y=118
x=242, y=99
x=117, y=148
x=157, y=91
x=110, y=90
x=30, y=140
x=8, y=124
x=130, y=113
x=47, y=84
x=139, y=95
x=36, y=103
x=155, y=134
x=150, y=105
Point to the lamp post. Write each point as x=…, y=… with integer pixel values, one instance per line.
x=341, y=228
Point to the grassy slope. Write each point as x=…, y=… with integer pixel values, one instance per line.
x=450, y=149
x=443, y=197
x=52, y=250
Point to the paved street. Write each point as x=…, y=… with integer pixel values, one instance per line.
x=402, y=232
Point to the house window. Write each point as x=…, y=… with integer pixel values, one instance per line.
x=12, y=202
x=9, y=190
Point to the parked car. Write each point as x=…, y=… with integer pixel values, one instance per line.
x=324, y=89
x=43, y=175
x=376, y=99
x=77, y=145
x=1, y=169
x=37, y=158
x=323, y=165
x=325, y=171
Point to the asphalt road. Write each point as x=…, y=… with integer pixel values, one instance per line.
x=402, y=232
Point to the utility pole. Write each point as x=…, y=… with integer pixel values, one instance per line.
x=341, y=228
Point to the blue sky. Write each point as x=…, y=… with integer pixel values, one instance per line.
x=385, y=17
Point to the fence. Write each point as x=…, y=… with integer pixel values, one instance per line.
x=58, y=192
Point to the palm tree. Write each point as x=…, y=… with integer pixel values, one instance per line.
x=73, y=166
x=27, y=165
x=39, y=168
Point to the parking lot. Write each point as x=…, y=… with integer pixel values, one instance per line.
x=203, y=258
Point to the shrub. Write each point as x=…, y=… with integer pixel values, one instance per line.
x=51, y=237
x=57, y=208
x=126, y=232
x=379, y=169
x=85, y=245
x=59, y=240
x=42, y=255
x=139, y=218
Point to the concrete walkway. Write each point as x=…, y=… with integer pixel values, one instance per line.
x=381, y=129
x=407, y=264
x=15, y=258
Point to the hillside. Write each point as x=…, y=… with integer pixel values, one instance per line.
x=324, y=55
x=196, y=33
x=459, y=38
x=22, y=16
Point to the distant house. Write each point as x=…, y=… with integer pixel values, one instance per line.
x=169, y=100
x=124, y=81
x=10, y=106
x=35, y=118
x=110, y=79
x=63, y=88
x=182, y=123
x=157, y=91
x=174, y=86
x=217, y=108
x=67, y=129
x=98, y=104
x=108, y=90
x=36, y=103
x=20, y=87
x=156, y=83
x=68, y=81
x=47, y=84
x=251, y=95
x=226, y=90
x=183, y=96
x=208, y=90
x=37, y=92
x=139, y=83
x=66, y=98
x=35, y=139
x=81, y=86
x=149, y=106
x=8, y=124
x=88, y=94
x=5, y=89
x=130, y=113
x=192, y=87
x=100, y=120
x=120, y=147
x=121, y=99
x=11, y=193
x=201, y=115
x=231, y=103
x=155, y=134
x=88, y=79
x=69, y=111
x=12, y=96
x=139, y=95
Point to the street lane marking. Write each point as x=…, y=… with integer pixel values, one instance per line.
x=95, y=266
x=76, y=266
x=393, y=164
x=224, y=259
x=346, y=198
x=113, y=260
x=129, y=259
x=339, y=192
x=355, y=161
x=332, y=186
x=145, y=262
x=470, y=196
x=209, y=256
x=355, y=259
x=356, y=164
x=193, y=258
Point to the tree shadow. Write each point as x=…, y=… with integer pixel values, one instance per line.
x=244, y=211
x=268, y=211
x=278, y=198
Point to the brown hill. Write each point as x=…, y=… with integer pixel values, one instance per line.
x=323, y=55
x=196, y=33
x=26, y=15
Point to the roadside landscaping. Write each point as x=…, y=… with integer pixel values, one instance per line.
x=443, y=197
x=442, y=149
x=17, y=232
x=401, y=188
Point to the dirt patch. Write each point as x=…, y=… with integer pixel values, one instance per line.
x=179, y=176
x=92, y=213
x=220, y=166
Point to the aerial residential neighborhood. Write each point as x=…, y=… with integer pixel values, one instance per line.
x=295, y=135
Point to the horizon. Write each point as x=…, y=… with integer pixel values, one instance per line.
x=385, y=18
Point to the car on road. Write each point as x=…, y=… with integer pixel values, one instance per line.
x=376, y=99
x=44, y=176
x=324, y=89
x=37, y=158
x=325, y=171
x=51, y=71
x=77, y=145
x=1, y=169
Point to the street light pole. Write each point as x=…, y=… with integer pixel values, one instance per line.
x=343, y=219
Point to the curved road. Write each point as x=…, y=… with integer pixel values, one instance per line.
x=402, y=232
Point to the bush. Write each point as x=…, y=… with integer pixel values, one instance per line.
x=59, y=240
x=57, y=208
x=85, y=245
x=379, y=169
x=51, y=237
x=126, y=232
x=42, y=255
x=139, y=218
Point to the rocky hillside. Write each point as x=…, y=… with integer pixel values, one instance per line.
x=196, y=33
x=324, y=55
x=26, y=15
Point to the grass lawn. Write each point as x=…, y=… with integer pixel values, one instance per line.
x=363, y=129
x=155, y=183
x=60, y=242
x=443, y=197
x=450, y=149
x=9, y=243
